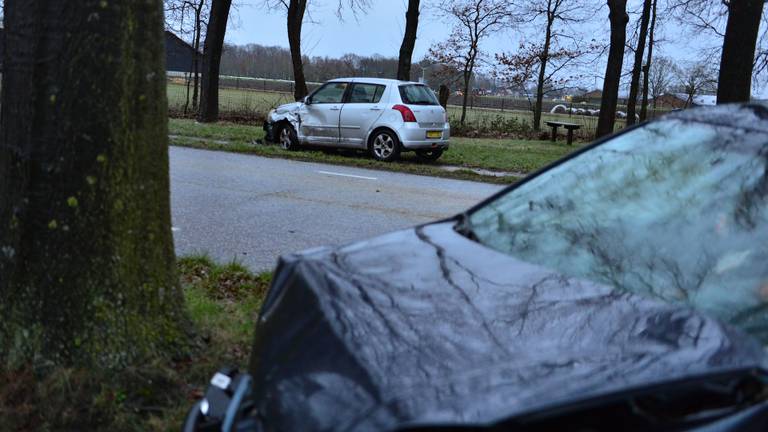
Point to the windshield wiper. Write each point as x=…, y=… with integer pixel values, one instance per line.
x=673, y=406
x=464, y=227
x=697, y=402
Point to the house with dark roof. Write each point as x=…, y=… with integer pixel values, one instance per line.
x=178, y=54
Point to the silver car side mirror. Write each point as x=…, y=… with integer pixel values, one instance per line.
x=307, y=100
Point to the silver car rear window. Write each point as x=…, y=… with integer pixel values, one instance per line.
x=415, y=94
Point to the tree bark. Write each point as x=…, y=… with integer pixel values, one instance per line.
x=87, y=264
x=542, y=72
x=735, y=79
x=196, y=58
x=409, y=41
x=443, y=95
x=296, y=9
x=212, y=47
x=636, y=68
x=618, y=18
x=647, y=67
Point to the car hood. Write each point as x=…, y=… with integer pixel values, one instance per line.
x=424, y=326
x=288, y=108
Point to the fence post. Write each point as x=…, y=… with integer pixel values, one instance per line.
x=502, y=104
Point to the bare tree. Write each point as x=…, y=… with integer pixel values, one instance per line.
x=87, y=264
x=736, y=63
x=296, y=11
x=187, y=18
x=696, y=78
x=474, y=21
x=520, y=69
x=618, y=18
x=661, y=77
x=559, y=48
x=634, y=83
x=648, y=63
x=212, y=48
x=409, y=40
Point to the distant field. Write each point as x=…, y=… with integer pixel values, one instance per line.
x=237, y=100
x=243, y=101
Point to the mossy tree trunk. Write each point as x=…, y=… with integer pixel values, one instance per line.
x=87, y=265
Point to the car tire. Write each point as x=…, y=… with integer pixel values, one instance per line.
x=429, y=155
x=384, y=146
x=286, y=137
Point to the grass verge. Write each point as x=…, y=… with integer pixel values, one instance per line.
x=223, y=302
x=517, y=157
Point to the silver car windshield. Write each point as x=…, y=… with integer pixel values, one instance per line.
x=675, y=210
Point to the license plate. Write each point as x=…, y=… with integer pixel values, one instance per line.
x=434, y=134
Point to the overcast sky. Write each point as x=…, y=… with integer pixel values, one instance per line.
x=380, y=31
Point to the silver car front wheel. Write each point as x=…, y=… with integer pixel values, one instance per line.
x=385, y=146
x=287, y=138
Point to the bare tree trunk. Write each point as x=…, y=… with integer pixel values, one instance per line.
x=409, y=41
x=465, y=100
x=618, y=18
x=639, y=51
x=212, y=47
x=87, y=264
x=735, y=80
x=542, y=74
x=647, y=67
x=296, y=9
x=443, y=95
x=467, y=81
x=196, y=58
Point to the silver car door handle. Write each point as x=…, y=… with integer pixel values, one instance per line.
x=375, y=109
x=335, y=108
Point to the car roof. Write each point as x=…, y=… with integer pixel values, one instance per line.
x=383, y=81
x=749, y=116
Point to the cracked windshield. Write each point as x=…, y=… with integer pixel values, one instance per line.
x=674, y=211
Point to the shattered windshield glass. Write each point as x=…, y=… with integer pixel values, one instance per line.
x=675, y=210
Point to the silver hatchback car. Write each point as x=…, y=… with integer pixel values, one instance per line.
x=383, y=116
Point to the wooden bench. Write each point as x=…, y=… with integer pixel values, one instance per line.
x=570, y=127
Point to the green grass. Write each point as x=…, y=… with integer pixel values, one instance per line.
x=521, y=156
x=222, y=302
x=515, y=156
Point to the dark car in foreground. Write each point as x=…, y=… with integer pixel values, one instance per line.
x=623, y=288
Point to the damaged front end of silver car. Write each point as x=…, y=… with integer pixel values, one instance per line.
x=288, y=113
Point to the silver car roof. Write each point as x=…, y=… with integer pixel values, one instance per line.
x=383, y=81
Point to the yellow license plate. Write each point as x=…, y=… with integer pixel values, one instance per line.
x=434, y=134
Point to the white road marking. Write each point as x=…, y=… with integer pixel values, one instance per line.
x=347, y=175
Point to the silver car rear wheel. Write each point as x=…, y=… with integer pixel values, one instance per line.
x=384, y=146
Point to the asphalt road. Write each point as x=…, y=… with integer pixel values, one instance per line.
x=254, y=209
